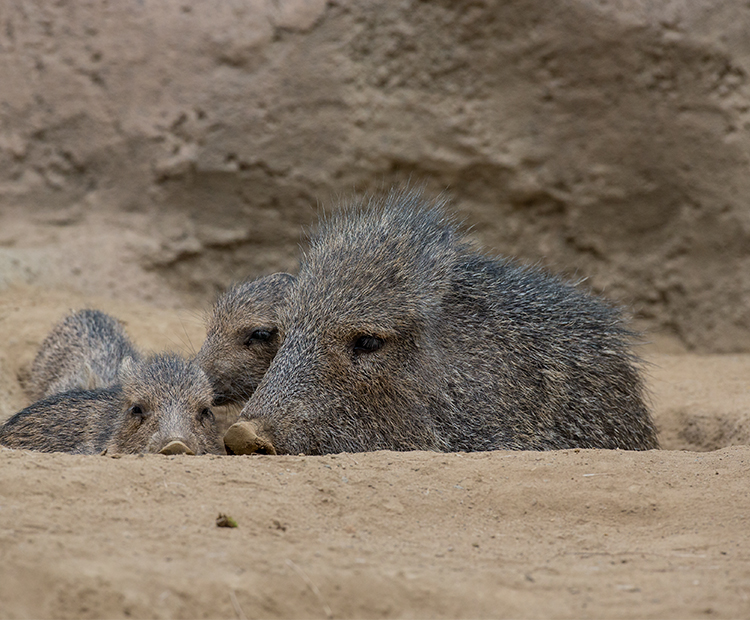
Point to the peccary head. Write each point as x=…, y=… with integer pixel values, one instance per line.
x=242, y=337
x=165, y=407
x=360, y=335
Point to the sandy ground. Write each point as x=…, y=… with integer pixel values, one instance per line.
x=564, y=534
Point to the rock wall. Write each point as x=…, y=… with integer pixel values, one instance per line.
x=165, y=149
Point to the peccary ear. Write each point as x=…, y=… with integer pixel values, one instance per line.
x=127, y=369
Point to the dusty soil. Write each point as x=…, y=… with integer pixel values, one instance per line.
x=567, y=534
x=561, y=534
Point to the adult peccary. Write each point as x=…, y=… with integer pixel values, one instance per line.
x=242, y=337
x=82, y=352
x=160, y=404
x=398, y=334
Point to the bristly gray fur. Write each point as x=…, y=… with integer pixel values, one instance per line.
x=242, y=337
x=399, y=334
x=82, y=352
x=155, y=401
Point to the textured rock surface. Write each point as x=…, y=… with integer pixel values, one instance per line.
x=183, y=144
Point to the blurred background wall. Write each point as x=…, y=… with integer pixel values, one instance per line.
x=159, y=150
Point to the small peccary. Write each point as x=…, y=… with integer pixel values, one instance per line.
x=161, y=404
x=82, y=352
x=242, y=337
x=399, y=334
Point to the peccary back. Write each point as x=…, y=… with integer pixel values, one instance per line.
x=242, y=337
x=399, y=334
x=82, y=352
x=161, y=404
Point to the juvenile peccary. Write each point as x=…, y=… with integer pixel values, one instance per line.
x=82, y=352
x=242, y=337
x=161, y=404
x=398, y=334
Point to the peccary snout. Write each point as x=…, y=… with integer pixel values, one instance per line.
x=176, y=446
x=246, y=437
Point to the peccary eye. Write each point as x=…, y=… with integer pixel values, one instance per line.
x=368, y=344
x=137, y=412
x=206, y=416
x=261, y=334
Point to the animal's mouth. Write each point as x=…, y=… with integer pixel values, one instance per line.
x=247, y=437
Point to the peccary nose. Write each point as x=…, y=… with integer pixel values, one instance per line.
x=176, y=447
x=244, y=437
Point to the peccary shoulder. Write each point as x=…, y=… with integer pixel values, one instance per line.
x=83, y=351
